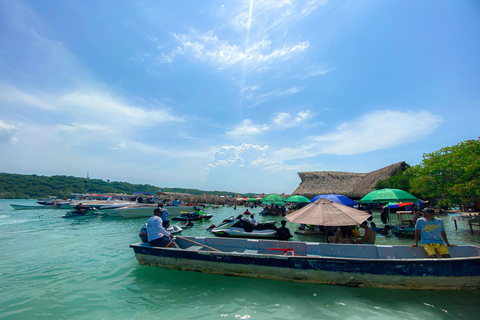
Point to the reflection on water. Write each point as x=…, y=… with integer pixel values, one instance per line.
x=83, y=268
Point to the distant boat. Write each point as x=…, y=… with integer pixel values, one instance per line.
x=22, y=207
x=357, y=265
x=143, y=210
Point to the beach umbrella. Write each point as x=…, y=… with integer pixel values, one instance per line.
x=297, y=199
x=338, y=198
x=276, y=202
x=272, y=198
x=324, y=212
x=252, y=200
x=393, y=205
x=388, y=195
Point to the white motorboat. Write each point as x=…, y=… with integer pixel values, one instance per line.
x=143, y=210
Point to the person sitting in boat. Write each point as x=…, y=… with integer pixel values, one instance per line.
x=343, y=235
x=156, y=235
x=368, y=234
x=432, y=232
x=165, y=214
x=253, y=219
x=283, y=233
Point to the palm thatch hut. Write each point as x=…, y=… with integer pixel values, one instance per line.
x=349, y=184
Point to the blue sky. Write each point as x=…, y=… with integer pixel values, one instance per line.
x=235, y=95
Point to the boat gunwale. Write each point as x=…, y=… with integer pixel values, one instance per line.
x=309, y=256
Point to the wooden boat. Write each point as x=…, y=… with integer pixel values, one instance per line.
x=383, y=266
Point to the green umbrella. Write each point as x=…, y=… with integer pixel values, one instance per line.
x=388, y=195
x=252, y=200
x=297, y=199
x=272, y=198
x=275, y=202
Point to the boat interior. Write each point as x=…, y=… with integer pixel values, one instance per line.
x=290, y=248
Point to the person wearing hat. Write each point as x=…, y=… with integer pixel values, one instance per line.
x=432, y=232
x=156, y=235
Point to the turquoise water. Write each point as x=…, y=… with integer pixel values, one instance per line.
x=83, y=268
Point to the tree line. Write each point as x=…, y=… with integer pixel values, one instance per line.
x=20, y=186
x=450, y=175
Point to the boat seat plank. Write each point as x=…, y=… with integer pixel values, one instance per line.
x=194, y=248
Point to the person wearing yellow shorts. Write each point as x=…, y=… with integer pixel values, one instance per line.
x=432, y=232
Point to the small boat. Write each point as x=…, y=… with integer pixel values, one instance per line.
x=193, y=216
x=357, y=265
x=22, y=207
x=172, y=229
x=243, y=228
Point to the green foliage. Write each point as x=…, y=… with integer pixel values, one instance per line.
x=401, y=180
x=451, y=173
x=17, y=186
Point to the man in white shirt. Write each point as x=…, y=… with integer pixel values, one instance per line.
x=157, y=235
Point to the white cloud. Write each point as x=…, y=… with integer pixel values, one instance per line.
x=376, y=131
x=240, y=156
x=247, y=128
x=268, y=14
x=12, y=95
x=315, y=69
x=207, y=47
x=280, y=121
x=274, y=94
x=7, y=132
x=99, y=105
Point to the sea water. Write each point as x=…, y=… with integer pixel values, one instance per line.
x=83, y=268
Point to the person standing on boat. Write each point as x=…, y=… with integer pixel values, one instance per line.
x=157, y=235
x=432, y=232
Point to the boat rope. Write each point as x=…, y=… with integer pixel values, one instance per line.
x=198, y=243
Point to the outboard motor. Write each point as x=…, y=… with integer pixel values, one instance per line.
x=143, y=233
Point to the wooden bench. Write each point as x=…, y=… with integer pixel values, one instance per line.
x=405, y=217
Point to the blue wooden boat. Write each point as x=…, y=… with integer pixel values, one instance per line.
x=382, y=266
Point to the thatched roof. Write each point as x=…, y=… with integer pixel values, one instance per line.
x=350, y=184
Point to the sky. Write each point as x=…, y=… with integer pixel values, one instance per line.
x=234, y=96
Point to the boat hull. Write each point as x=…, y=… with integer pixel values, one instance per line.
x=413, y=273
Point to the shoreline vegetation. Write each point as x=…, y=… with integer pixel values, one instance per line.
x=22, y=186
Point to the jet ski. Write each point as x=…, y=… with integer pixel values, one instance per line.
x=242, y=228
x=172, y=229
x=84, y=212
x=193, y=216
